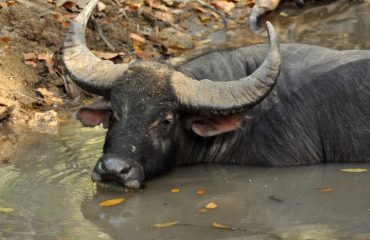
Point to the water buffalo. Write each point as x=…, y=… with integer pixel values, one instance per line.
x=264, y=104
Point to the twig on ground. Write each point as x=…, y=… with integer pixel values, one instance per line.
x=101, y=34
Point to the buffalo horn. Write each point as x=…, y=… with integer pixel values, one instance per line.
x=225, y=98
x=88, y=71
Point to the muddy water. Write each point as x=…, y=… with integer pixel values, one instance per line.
x=48, y=183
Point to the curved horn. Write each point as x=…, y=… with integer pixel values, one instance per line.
x=224, y=98
x=88, y=71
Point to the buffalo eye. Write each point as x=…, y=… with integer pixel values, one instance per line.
x=167, y=121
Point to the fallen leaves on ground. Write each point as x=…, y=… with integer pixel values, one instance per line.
x=164, y=225
x=211, y=205
x=6, y=210
x=354, y=170
x=7, y=4
x=111, y=202
x=175, y=190
x=50, y=98
x=32, y=58
x=325, y=190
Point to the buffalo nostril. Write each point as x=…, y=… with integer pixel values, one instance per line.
x=101, y=166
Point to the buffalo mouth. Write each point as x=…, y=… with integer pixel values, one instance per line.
x=114, y=187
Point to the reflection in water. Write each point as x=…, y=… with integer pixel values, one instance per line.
x=50, y=190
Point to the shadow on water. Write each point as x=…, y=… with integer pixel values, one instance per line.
x=50, y=190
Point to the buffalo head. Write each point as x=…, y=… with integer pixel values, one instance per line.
x=148, y=107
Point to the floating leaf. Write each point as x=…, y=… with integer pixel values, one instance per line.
x=222, y=226
x=175, y=190
x=164, y=225
x=111, y=202
x=6, y=210
x=325, y=190
x=211, y=205
x=202, y=210
x=354, y=170
x=201, y=191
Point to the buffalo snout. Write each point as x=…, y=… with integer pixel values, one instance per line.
x=114, y=169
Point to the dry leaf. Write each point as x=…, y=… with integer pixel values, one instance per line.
x=175, y=190
x=202, y=10
x=49, y=61
x=11, y=3
x=69, y=5
x=354, y=170
x=201, y=191
x=156, y=5
x=105, y=55
x=49, y=97
x=140, y=54
x=202, y=210
x=31, y=63
x=137, y=38
x=69, y=15
x=163, y=225
x=6, y=210
x=5, y=40
x=30, y=56
x=164, y=16
x=135, y=6
x=101, y=6
x=211, y=205
x=7, y=4
x=224, y=5
x=111, y=202
x=66, y=24
x=325, y=190
x=58, y=17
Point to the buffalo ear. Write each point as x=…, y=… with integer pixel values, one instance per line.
x=208, y=127
x=95, y=114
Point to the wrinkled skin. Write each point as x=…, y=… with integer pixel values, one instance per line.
x=317, y=112
x=264, y=6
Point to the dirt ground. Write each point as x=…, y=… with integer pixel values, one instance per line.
x=34, y=89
